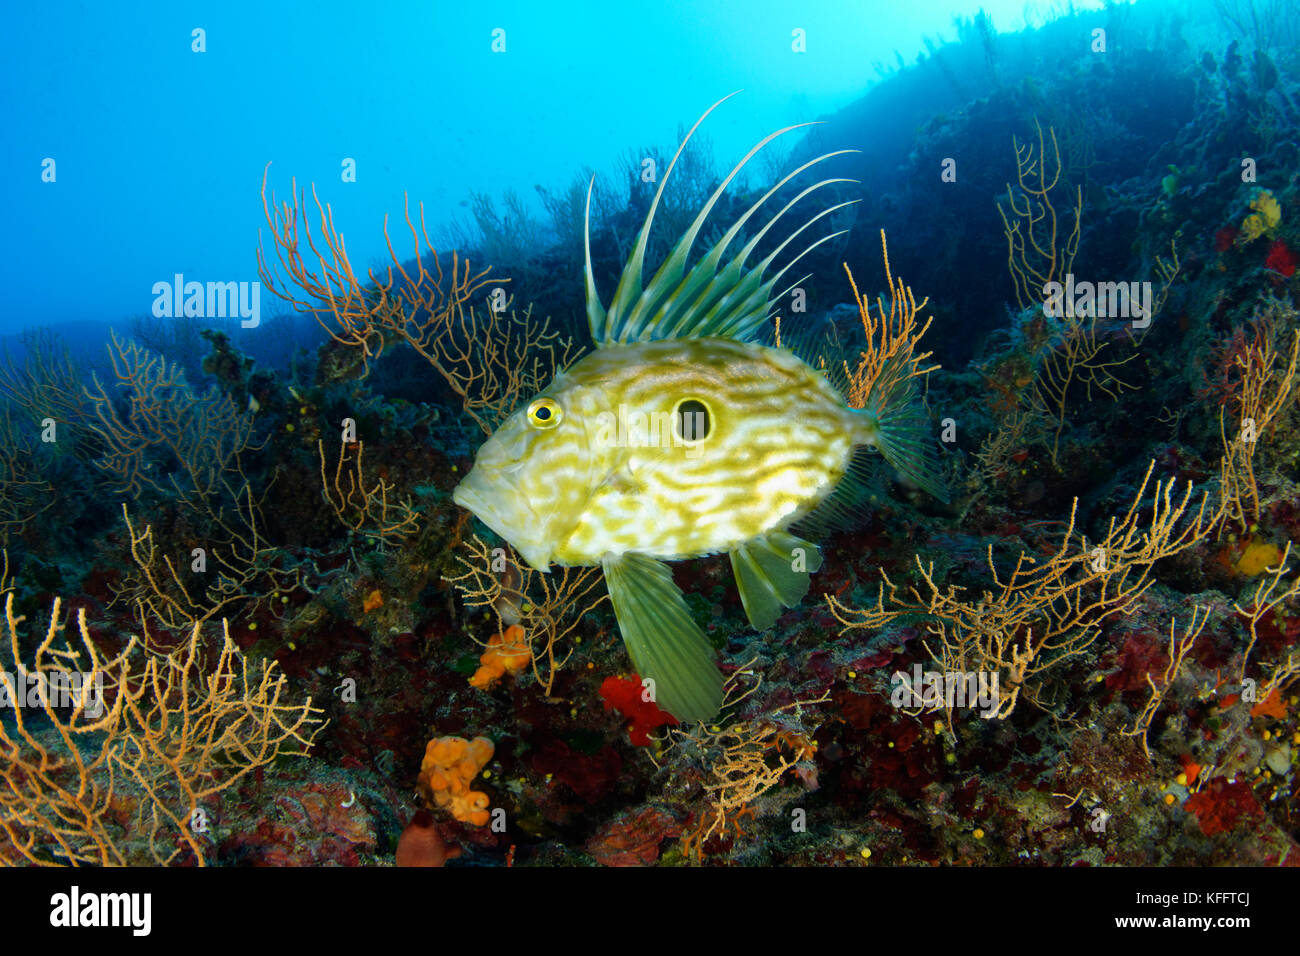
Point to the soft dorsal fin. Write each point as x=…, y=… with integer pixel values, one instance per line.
x=717, y=297
x=853, y=501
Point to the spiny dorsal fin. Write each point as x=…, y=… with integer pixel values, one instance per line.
x=713, y=298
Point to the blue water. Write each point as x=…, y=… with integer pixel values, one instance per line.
x=159, y=150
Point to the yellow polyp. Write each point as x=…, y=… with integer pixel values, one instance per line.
x=1265, y=219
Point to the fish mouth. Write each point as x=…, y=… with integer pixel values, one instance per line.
x=523, y=529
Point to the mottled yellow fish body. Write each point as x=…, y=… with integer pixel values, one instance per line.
x=779, y=437
x=682, y=435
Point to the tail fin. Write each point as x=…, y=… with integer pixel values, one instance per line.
x=897, y=424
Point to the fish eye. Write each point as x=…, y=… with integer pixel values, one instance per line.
x=544, y=413
x=692, y=420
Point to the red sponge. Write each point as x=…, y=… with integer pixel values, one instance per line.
x=626, y=695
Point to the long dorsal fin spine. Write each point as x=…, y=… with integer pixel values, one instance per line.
x=740, y=305
x=772, y=280
x=716, y=283
x=629, y=285
x=737, y=307
x=718, y=296
x=744, y=318
x=674, y=266
x=671, y=272
x=595, y=311
x=795, y=284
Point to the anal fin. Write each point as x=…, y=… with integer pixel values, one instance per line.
x=664, y=642
x=772, y=572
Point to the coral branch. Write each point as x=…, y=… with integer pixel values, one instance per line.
x=547, y=606
x=491, y=358
x=364, y=510
x=1178, y=649
x=1271, y=592
x=1045, y=612
x=890, y=353
x=1258, y=380
x=1036, y=253
x=120, y=773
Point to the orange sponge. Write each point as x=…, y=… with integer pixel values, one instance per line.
x=506, y=653
x=449, y=765
x=1258, y=557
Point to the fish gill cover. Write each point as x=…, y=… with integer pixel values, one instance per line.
x=916, y=487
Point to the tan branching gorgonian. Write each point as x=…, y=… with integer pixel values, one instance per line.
x=199, y=442
x=1178, y=650
x=226, y=575
x=743, y=761
x=1039, y=249
x=365, y=510
x=49, y=384
x=889, y=353
x=24, y=493
x=502, y=356
x=1260, y=376
x=547, y=606
x=490, y=357
x=1078, y=355
x=1271, y=592
x=166, y=423
x=994, y=459
x=124, y=773
x=1045, y=611
x=1286, y=673
x=1167, y=271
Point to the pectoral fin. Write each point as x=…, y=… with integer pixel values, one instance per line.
x=664, y=642
x=772, y=571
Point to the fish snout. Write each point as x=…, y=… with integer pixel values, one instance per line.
x=497, y=501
